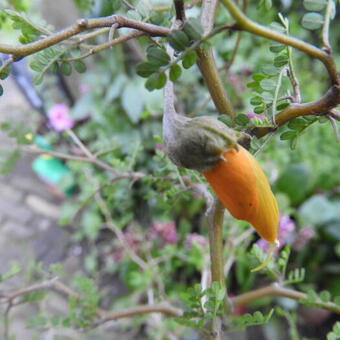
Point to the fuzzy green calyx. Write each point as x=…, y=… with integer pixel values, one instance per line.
x=198, y=143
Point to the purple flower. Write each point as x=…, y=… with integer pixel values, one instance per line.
x=285, y=233
x=195, y=238
x=59, y=117
x=166, y=231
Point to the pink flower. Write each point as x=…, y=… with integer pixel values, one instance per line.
x=166, y=231
x=285, y=233
x=132, y=242
x=197, y=239
x=302, y=237
x=59, y=117
x=84, y=88
x=251, y=114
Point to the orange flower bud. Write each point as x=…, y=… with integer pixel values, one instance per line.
x=244, y=190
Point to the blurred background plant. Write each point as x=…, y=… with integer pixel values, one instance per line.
x=142, y=226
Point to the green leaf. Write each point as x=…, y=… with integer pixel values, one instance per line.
x=175, y=72
x=293, y=143
x=193, y=29
x=157, y=56
x=277, y=48
x=297, y=124
x=37, y=78
x=282, y=105
x=226, y=120
x=66, y=68
x=314, y=5
x=189, y=59
x=259, y=76
x=270, y=70
x=79, y=66
x=242, y=119
x=281, y=60
x=178, y=40
x=91, y=222
x=253, y=84
x=257, y=100
x=7, y=164
x=268, y=84
x=156, y=81
x=259, y=109
x=133, y=100
x=318, y=210
x=312, y=21
x=146, y=69
x=288, y=135
x=325, y=296
x=5, y=72
x=1, y=90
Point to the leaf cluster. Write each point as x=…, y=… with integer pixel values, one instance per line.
x=184, y=41
x=314, y=19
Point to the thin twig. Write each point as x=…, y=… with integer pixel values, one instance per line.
x=325, y=28
x=276, y=290
x=163, y=308
x=95, y=161
x=103, y=315
x=335, y=114
x=119, y=234
x=335, y=128
x=78, y=142
x=232, y=58
x=108, y=44
x=276, y=95
x=112, y=31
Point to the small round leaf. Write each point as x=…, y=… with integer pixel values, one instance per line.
x=79, y=66
x=314, y=5
x=66, y=68
x=189, y=59
x=267, y=84
x=312, y=21
x=157, y=56
x=175, y=72
x=145, y=69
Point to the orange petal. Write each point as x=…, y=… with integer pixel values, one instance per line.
x=244, y=190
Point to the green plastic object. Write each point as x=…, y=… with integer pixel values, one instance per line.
x=52, y=170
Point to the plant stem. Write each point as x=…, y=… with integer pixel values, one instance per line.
x=216, y=242
x=246, y=24
x=207, y=66
x=216, y=259
x=320, y=106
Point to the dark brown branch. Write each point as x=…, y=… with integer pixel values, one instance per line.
x=320, y=106
x=80, y=26
x=180, y=10
x=276, y=290
x=163, y=308
x=207, y=65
